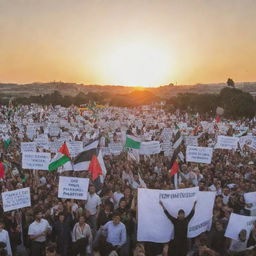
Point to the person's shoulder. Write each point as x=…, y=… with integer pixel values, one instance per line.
x=5, y=231
x=122, y=224
x=109, y=223
x=32, y=223
x=45, y=221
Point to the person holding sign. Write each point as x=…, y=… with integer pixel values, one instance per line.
x=179, y=245
x=37, y=232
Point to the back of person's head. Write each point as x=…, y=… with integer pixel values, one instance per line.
x=139, y=250
x=50, y=249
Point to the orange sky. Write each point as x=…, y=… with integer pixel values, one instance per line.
x=129, y=42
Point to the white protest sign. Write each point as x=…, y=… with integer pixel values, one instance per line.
x=16, y=199
x=42, y=142
x=28, y=147
x=54, y=130
x=34, y=160
x=227, y=142
x=75, y=147
x=73, y=188
x=166, y=146
x=250, y=198
x=150, y=148
x=199, y=154
x=149, y=211
x=115, y=148
x=191, y=141
x=248, y=140
x=30, y=131
x=237, y=223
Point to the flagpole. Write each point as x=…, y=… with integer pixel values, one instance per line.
x=176, y=180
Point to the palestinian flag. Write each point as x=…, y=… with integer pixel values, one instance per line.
x=95, y=168
x=7, y=142
x=92, y=144
x=82, y=160
x=174, y=164
x=60, y=158
x=217, y=119
x=132, y=142
x=2, y=170
x=177, y=159
x=176, y=126
x=174, y=168
x=177, y=140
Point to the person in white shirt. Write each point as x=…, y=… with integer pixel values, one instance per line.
x=92, y=207
x=117, y=196
x=82, y=237
x=127, y=176
x=115, y=236
x=136, y=182
x=226, y=195
x=37, y=232
x=4, y=237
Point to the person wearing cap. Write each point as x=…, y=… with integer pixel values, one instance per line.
x=179, y=245
x=38, y=231
x=4, y=238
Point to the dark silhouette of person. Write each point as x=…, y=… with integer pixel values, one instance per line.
x=179, y=245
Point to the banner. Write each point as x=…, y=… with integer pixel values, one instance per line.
x=34, y=160
x=73, y=188
x=16, y=199
x=28, y=147
x=202, y=220
x=153, y=225
x=75, y=147
x=150, y=148
x=226, y=142
x=237, y=223
x=199, y=154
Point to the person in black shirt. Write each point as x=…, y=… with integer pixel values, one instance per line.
x=179, y=245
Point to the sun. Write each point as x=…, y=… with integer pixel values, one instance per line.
x=138, y=64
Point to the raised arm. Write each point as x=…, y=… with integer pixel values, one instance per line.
x=168, y=215
x=190, y=216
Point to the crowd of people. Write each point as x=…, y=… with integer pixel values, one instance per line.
x=107, y=222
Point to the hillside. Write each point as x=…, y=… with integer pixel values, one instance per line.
x=72, y=89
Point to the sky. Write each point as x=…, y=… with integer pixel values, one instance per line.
x=127, y=42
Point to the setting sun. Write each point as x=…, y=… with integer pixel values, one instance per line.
x=138, y=64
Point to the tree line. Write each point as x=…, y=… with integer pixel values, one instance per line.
x=236, y=103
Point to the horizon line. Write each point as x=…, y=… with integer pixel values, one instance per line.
x=117, y=85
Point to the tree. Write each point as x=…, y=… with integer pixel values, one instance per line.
x=231, y=83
